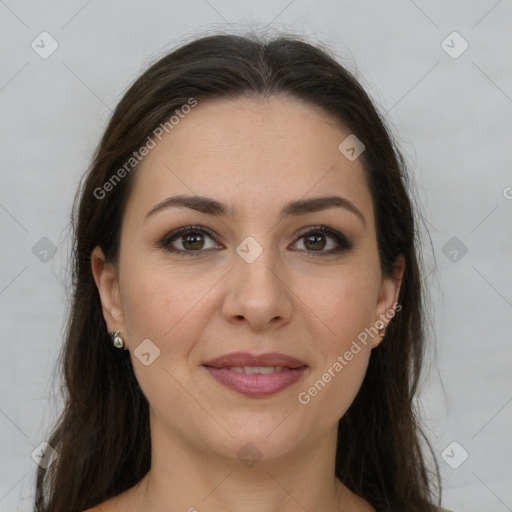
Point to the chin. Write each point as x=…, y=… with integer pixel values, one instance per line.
x=257, y=439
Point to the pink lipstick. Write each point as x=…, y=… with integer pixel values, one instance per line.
x=256, y=375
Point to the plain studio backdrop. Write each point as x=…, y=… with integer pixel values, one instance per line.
x=439, y=72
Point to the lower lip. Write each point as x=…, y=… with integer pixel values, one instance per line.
x=257, y=384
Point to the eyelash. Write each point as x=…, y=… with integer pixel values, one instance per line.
x=340, y=239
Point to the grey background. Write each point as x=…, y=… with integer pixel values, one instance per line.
x=452, y=118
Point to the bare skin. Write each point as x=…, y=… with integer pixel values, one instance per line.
x=256, y=156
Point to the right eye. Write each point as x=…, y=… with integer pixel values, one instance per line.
x=191, y=239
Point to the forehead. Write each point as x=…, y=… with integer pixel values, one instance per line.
x=251, y=153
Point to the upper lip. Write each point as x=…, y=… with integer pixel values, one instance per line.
x=247, y=359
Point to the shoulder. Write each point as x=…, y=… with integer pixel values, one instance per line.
x=116, y=503
x=102, y=507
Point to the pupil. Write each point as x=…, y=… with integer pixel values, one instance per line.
x=194, y=238
x=317, y=237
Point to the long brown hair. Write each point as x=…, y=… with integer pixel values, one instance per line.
x=103, y=436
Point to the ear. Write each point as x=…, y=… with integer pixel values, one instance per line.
x=387, y=304
x=107, y=282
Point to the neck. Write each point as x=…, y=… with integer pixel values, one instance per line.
x=186, y=478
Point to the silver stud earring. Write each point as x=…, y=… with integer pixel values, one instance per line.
x=117, y=340
x=382, y=331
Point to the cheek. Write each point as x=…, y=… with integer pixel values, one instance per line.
x=334, y=383
x=337, y=378
x=346, y=305
x=165, y=311
x=156, y=302
x=346, y=308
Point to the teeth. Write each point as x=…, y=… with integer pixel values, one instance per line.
x=256, y=369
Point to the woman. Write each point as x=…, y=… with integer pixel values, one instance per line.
x=247, y=326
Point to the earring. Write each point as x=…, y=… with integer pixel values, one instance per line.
x=382, y=331
x=117, y=340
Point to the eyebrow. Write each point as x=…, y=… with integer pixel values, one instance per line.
x=293, y=208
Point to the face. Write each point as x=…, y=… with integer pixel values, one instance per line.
x=259, y=278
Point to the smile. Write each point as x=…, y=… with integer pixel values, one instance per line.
x=257, y=381
x=256, y=375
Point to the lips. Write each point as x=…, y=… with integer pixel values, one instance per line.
x=262, y=360
x=256, y=375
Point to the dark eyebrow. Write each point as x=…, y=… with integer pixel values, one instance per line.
x=293, y=208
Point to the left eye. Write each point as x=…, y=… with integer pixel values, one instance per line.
x=317, y=241
x=314, y=241
x=192, y=240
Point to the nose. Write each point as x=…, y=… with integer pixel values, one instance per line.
x=258, y=293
